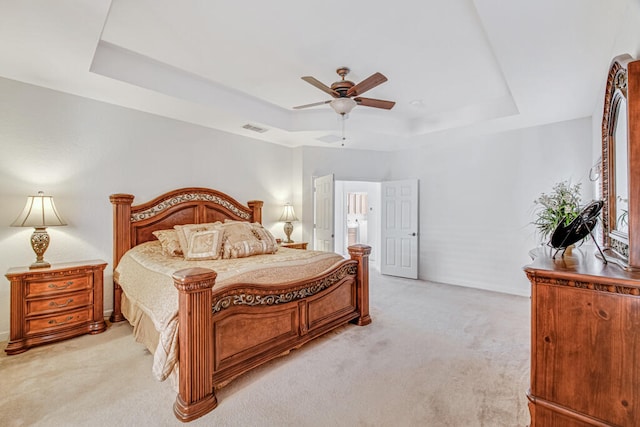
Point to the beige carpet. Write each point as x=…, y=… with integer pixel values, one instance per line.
x=435, y=355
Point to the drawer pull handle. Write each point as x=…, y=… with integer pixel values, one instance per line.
x=65, y=286
x=55, y=304
x=55, y=322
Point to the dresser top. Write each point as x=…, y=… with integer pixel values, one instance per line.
x=582, y=262
x=57, y=267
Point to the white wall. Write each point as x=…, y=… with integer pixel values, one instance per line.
x=81, y=151
x=626, y=41
x=476, y=199
x=476, y=194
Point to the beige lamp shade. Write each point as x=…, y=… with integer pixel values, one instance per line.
x=288, y=214
x=39, y=212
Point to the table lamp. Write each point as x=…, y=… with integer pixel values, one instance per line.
x=287, y=216
x=39, y=212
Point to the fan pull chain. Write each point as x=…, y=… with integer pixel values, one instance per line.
x=343, y=137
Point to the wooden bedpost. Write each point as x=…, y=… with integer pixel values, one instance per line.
x=361, y=254
x=195, y=335
x=256, y=207
x=121, y=244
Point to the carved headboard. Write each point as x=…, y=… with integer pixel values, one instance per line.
x=133, y=225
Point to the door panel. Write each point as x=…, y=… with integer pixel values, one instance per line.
x=324, y=213
x=400, y=228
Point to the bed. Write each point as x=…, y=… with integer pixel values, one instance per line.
x=228, y=325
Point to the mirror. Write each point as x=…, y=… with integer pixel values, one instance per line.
x=620, y=222
x=620, y=163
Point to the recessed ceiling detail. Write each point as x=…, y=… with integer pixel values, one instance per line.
x=330, y=139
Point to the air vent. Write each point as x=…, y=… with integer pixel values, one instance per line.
x=254, y=128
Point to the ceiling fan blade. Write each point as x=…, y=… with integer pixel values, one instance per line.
x=311, y=105
x=323, y=87
x=376, y=103
x=367, y=84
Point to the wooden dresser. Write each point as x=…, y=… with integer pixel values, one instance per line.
x=585, y=342
x=55, y=303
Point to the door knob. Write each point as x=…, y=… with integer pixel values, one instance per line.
x=412, y=234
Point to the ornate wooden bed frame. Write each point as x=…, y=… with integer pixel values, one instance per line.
x=225, y=333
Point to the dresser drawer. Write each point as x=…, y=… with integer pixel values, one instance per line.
x=50, y=323
x=58, y=303
x=54, y=286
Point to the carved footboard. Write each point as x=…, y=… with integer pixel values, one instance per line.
x=224, y=335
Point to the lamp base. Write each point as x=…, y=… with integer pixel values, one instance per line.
x=39, y=244
x=39, y=264
x=288, y=229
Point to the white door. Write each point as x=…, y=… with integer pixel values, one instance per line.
x=323, y=189
x=399, y=240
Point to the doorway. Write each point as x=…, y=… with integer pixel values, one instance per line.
x=349, y=212
x=357, y=216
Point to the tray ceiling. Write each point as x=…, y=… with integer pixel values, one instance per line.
x=453, y=67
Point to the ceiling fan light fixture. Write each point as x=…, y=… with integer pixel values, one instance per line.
x=343, y=106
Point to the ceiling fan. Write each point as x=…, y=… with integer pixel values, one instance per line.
x=346, y=94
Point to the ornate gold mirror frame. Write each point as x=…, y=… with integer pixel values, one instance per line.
x=621, y=178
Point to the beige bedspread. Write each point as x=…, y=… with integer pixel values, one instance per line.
x=144, y=273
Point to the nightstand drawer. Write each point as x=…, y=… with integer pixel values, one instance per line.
x=53, y=305
x=53, y=286
x=49, y=323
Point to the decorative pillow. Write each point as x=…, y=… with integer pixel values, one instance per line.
x=169, y=241
x=182, y=230
x=266, y=236
x=239, y=240
x=204, y=244
x=243, y=248
x=237, y=231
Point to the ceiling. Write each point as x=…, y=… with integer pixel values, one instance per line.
x=453, y=67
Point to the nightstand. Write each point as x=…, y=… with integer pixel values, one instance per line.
x=55, y=303
x=295, y=245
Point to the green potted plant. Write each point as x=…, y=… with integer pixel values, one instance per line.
x=560, y=206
